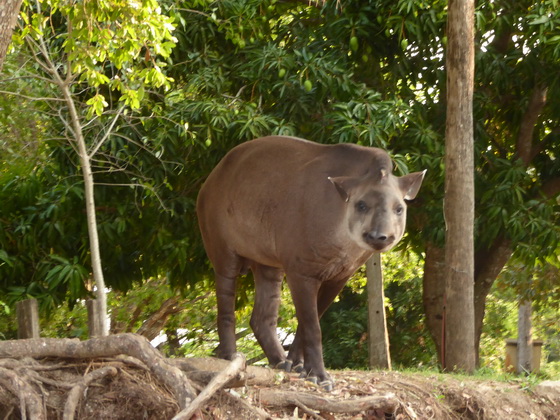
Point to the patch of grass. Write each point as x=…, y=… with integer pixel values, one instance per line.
x=526, y=382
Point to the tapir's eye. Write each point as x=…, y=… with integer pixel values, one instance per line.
x=399, y=210
x=362, y=207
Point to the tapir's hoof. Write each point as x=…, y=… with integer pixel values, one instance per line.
x=285, y=365
x=298, y=368
x=313, y=379
x=327, y=385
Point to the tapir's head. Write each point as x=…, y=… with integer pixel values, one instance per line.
x=376, y=207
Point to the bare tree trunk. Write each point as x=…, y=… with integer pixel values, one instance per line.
x=378, y=337
x=459, y=190
x=524, y=337
x=8, y=17
x=85, y=161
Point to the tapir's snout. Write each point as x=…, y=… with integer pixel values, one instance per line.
x=379, y=241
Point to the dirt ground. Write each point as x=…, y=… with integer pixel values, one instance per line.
x=133, y=393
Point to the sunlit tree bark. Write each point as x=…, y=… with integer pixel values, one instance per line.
x=459, y=352
x=8, y=16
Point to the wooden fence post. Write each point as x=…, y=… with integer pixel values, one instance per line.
x=378, y=337
x=95, y=326
x=27, y=312
x=525, y=338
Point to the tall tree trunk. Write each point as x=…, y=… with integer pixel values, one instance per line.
x=459, y=350
x=8, y=17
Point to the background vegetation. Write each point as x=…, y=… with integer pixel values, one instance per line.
x=213, y=74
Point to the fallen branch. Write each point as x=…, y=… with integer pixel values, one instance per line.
x=238, y=364
x=77, y=391
x=130, y=344
x=152, y=326
x=270, y=397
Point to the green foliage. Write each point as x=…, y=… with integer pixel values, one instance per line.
x=108, y=44
x=539, y=283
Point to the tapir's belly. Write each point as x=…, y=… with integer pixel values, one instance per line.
x=291, y=246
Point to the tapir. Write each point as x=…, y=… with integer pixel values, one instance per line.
x=283, y=206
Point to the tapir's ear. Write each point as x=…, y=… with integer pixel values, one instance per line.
x=410, y=184
x=344, y=185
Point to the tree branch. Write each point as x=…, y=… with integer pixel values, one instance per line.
x=157, y=320
x=524, y=142
x=31, y=98
x=107, y=133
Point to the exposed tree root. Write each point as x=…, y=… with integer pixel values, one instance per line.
x=257, y=412
x=130, y=344
x=31, y=404
x=75, y=394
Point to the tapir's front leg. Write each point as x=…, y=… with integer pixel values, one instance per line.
x=304, y=295
x=326, y=295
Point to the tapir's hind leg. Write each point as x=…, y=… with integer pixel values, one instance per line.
x=268, y=286
x=226, y=272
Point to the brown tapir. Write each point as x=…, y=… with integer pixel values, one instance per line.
x=282, y=205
